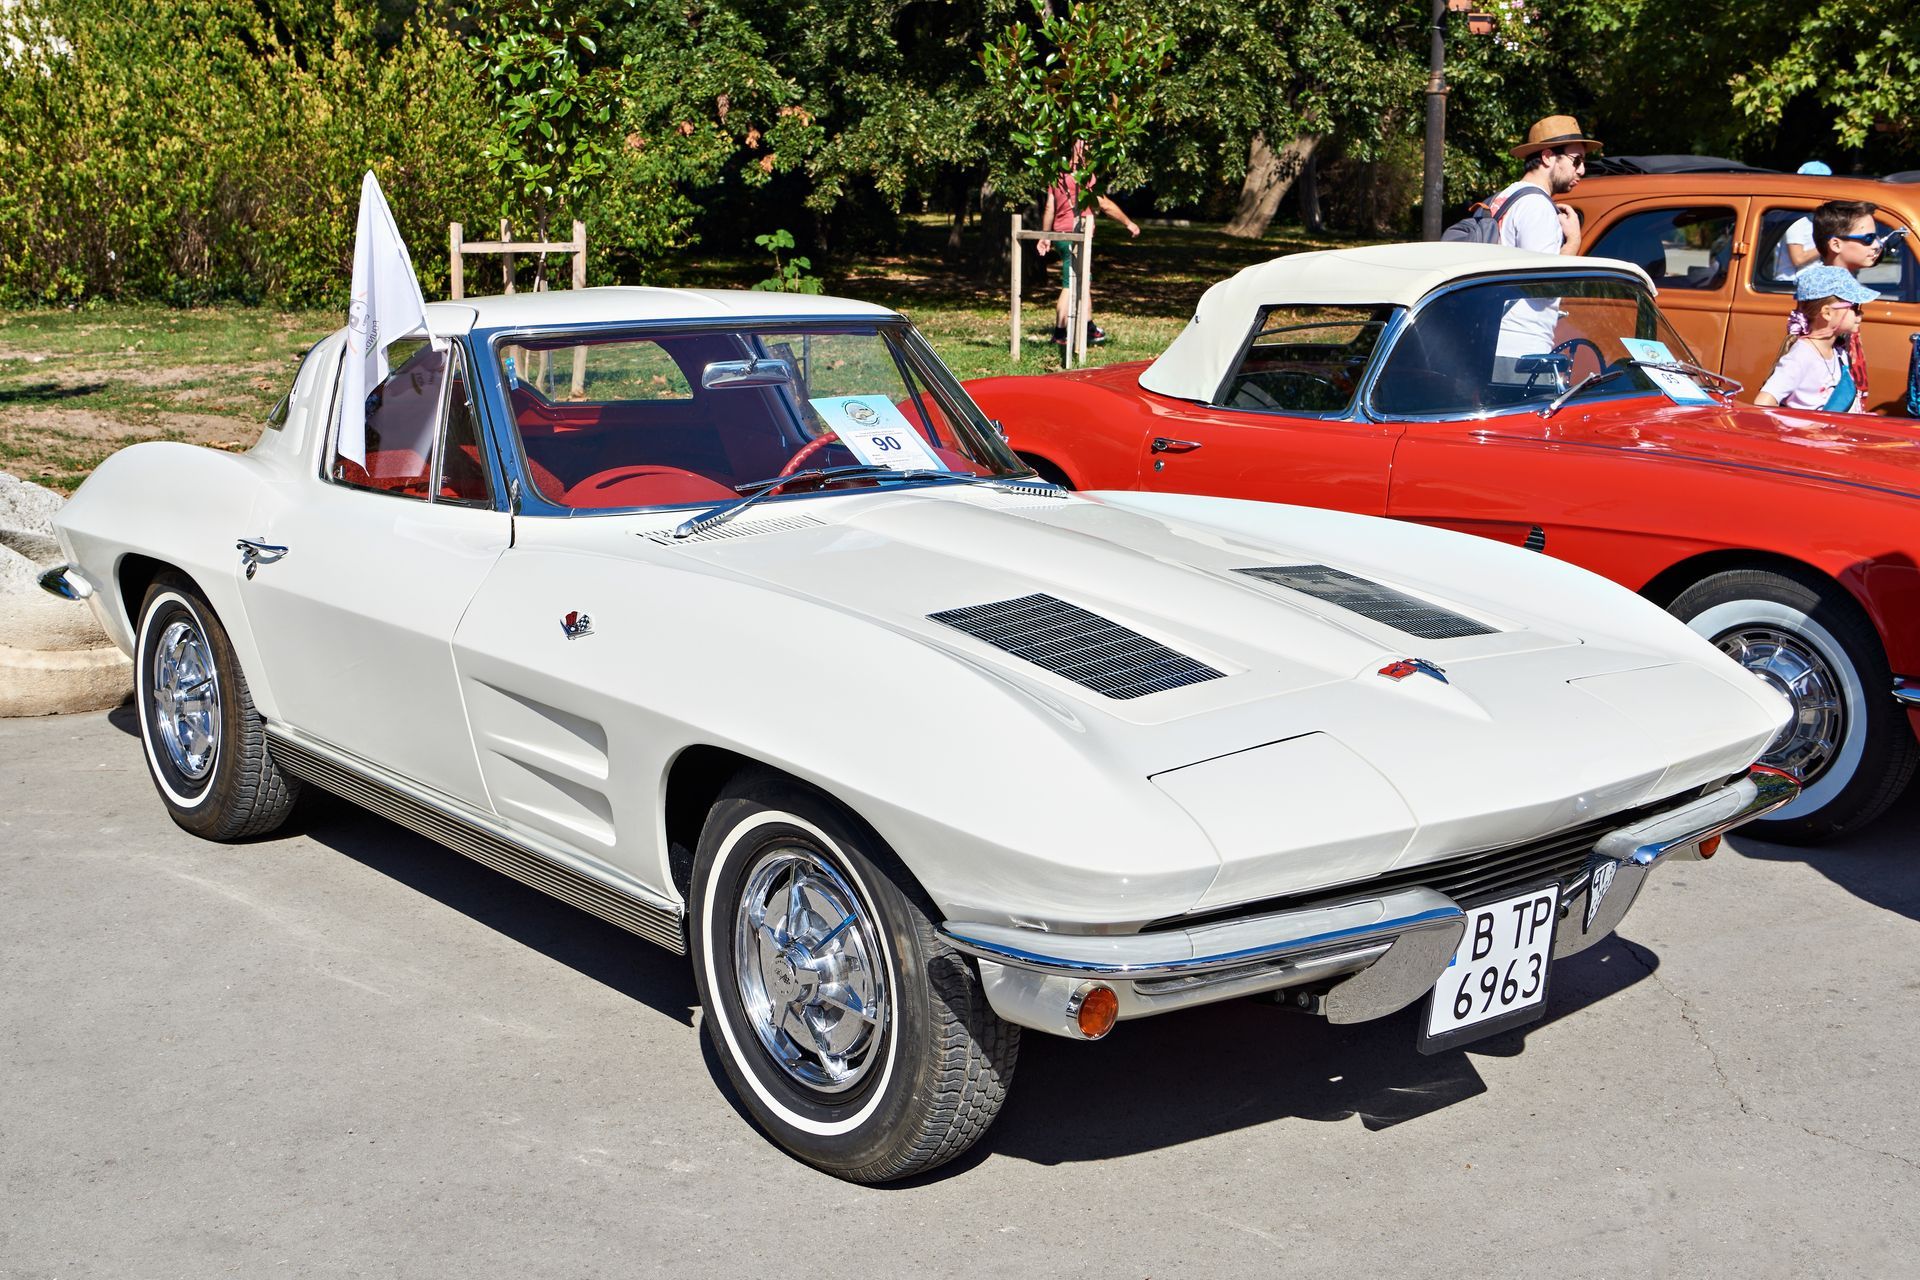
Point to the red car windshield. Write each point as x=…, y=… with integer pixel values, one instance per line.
x=1508, y=344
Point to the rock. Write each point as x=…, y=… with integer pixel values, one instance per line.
x=54, y=657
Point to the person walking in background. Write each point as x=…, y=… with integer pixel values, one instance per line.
x=1811, y=373
x=1062, y=216
x=1555, y=156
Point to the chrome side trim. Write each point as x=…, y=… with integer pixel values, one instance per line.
x=1905, y=693
x=656, y=921
x=1646, y=843
x=65, y=581
x=1230, y=944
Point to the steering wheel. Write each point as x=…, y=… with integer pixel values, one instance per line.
x=808, y=452
x=1571, y=344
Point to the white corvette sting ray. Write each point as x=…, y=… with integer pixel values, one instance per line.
x=727, y=617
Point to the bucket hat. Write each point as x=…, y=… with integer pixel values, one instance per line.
x=1553, y=131
x=1830, y=282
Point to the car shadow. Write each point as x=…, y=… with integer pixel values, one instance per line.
x=640, y=970
x=1172, y=1079
x=1880, y=864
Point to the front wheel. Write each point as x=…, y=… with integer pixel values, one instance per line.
x=1848, y=741
x=852, y=1034
x=206, y=746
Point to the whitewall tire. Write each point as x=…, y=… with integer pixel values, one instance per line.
x=851, y=1033
x=205, y=744
x=1849, y=742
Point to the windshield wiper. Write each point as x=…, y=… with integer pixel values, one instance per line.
x=1622, y=365
x=758, y=489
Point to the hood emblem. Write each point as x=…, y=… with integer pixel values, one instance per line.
x=576, y=624
x=1401, y=668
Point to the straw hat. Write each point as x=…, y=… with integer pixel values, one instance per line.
x=1553, y=131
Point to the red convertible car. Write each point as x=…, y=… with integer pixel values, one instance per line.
x=1542, y=401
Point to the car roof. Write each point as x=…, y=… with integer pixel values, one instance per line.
x=639, y=304
x=1818, y=188
x=1197, y=361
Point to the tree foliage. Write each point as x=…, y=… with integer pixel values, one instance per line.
x=193, y=149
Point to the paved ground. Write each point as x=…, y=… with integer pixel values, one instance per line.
x=343, y=1051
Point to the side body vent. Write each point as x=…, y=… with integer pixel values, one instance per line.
x=1402, y=612
x=1084, y=647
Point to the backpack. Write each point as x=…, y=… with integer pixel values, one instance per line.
x=1482, y=223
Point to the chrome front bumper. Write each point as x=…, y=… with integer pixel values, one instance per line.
x=65, y=581
x=1380, y=954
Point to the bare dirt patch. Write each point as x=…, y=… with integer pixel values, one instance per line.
x=58, y=447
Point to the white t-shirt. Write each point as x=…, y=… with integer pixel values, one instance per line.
x=1805, y=379
x=1532, y=223
x=1800, y=234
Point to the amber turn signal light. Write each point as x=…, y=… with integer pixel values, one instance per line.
x=1094, y=1009
x=1709, y=846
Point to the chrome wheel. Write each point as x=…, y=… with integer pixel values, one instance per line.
x=185, y=700
x=1808, y=743
x=810, y=971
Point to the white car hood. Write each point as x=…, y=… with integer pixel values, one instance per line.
x=1582, y=699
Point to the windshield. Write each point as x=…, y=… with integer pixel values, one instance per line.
x=648, y=418
x=1506, y=344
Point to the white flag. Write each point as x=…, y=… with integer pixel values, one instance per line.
x=387, y=305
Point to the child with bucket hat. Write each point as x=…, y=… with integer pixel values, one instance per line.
x=1812, y=373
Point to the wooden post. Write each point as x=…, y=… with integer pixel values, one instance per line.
x=579, y=385
x=1016, y=288
x=456, y=262
x=1086, y=285
x=507, y=257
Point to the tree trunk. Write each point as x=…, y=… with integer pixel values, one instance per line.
x=1270, y=176
x=1310, y=216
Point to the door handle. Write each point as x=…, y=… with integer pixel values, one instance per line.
x=1165, y=444
x=254, y=553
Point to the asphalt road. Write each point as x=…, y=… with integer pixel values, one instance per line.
x=343, y=1051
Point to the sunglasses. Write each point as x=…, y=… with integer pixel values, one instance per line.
x=1845, y=306
x=1579, y=162
x=1863, y=237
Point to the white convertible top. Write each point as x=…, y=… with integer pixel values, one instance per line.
x=638, y=303
x=1197, y=361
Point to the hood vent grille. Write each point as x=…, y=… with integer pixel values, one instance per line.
x=1084, y=647
x=732, y=529
x=1395, y=609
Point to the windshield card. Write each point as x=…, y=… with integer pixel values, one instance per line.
x=1679, y=387
x=876, y=432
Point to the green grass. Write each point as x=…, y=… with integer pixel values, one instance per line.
x=76, y=385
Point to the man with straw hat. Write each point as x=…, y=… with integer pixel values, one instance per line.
x=1555, y=155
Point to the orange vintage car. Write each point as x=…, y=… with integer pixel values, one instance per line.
x=1710, y=240
x=1543, y=401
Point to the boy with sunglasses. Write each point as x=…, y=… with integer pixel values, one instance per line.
x=1849, y=242
x=1811, y=373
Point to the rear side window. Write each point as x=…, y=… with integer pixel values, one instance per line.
x=1306, y=359
x=1686, y=248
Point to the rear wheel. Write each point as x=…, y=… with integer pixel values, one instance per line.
x=852, y=1034
x=205, y=744
x=1848, y=742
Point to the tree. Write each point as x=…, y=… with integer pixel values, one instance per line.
x=1087, y=78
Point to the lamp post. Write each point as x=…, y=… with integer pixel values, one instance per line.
x=1436, y=177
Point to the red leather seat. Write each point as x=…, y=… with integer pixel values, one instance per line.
x=645, y=486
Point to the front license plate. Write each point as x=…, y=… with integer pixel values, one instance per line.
x=1498, y=978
